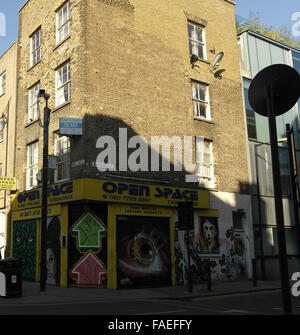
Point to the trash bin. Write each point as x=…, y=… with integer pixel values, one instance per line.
x=10, y=277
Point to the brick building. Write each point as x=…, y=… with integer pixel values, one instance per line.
x=8, y=89
x=125, y=68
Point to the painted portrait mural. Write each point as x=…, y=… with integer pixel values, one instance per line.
x=143, y=251
x=214, y=241
x=209, y=236
x=53, y=250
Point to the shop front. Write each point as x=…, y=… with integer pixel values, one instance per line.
x=103, y=233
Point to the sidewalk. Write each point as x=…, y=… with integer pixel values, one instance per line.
x=57, y=295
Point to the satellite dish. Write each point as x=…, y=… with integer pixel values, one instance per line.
x=217, y=61
x=286, y=85
x=194, y=59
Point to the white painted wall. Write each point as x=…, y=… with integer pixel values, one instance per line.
x=226, y=203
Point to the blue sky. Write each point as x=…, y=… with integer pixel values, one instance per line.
x=272, y=12
x=10, y=9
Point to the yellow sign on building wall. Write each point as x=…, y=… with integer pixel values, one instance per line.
x=112, y=191
x=8, y=183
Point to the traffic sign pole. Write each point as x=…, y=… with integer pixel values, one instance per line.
x=284, y=274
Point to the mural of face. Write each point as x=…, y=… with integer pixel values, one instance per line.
x=210, y=231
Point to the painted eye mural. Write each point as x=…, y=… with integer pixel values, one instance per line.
x=24, y=246
x=143, y=251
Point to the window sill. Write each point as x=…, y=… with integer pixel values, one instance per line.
x=211, y=188
x=204, y=61
x=30, y=123
x=197, y=118
x=61, y=42
x=61, y=106
x=61, y=181
x=31, y=67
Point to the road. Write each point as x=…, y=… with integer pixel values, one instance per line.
x=255, y=303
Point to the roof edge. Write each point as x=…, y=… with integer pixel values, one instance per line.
x=232, y=2
x=259, y=35
x=23, y=5
x=10, y=47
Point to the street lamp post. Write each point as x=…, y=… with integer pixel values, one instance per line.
x=45, y=125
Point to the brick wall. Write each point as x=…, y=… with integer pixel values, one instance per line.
x=130, y=67
x=8, y=109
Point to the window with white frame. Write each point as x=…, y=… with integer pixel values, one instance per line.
x=197, y=40
x=200, y=98
x=32, y=164
x=33, y=103
x=62, y=152
x=2, y=125
x=62, y=84
x=35, y=47
x=2, y=82
x=204, y=162
x=63, y=23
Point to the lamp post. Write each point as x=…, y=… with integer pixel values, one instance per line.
x=45, y=125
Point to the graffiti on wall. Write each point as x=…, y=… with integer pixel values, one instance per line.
x=232, y=263
x=89, y=271
x=209, y=236
x=228, y=263
x=89, y=259
x=143, y=251
x=89, y=231
x=53, y=250
x=24, y=246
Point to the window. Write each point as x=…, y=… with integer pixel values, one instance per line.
x=204, y=162
x=62, y=85
x=63, y=23
x=197, y=40
x=32, y=164
x=2, y=83
x=200, y=100
x=62, y=151
x=238, y=218
x=35, y=47
x=2, y=125
x=33, y=103
x=251, y=124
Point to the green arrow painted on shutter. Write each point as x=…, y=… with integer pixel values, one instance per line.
x=89, y=231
